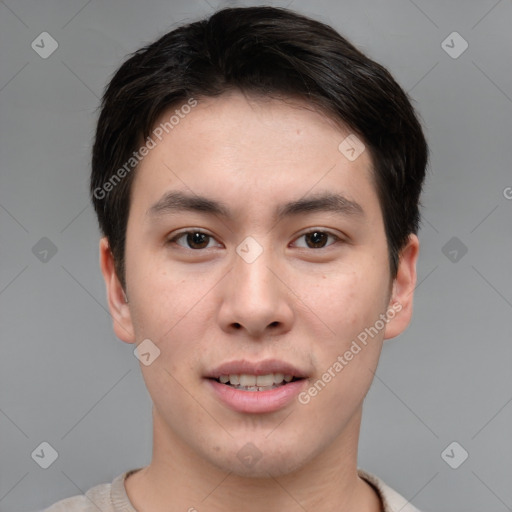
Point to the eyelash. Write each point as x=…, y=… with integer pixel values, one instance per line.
x=194, y=231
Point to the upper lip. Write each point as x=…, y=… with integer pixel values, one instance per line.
x=255, y=368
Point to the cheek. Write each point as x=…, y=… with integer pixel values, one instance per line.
x=353, y=303
x=347, y=303
x=162, y=300
x=346, y=360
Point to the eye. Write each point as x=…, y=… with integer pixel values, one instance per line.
x=194, y=239
x=317, y=239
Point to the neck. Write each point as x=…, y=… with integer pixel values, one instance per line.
x=178, y=479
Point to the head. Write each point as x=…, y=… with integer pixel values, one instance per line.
x=239, y=227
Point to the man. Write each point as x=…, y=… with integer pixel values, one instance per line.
x=256, y=179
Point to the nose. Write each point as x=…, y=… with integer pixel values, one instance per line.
x=256, y=298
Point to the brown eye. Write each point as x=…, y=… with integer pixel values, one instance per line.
x=195, y=240
x=316, y=239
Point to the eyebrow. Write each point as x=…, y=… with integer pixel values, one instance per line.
x=176, y=202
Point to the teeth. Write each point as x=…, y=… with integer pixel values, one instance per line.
x=278, y=378
x=247, y=380
x=265, y=380
x=253, y=382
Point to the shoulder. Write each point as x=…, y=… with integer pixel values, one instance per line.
x=98, y=496
x=107, y=497
x=392, y=500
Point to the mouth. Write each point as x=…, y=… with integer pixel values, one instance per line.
x=260, y=387
x=247, y=382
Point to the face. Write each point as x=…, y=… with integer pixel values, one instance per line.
x=256, y=252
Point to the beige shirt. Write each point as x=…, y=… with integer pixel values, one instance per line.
x=113, y=498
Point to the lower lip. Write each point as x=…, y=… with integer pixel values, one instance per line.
x=257, y=401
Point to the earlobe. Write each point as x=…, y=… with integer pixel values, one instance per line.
x=116, y=297
x=401, y=302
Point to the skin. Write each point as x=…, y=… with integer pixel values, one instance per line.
x=295, y=302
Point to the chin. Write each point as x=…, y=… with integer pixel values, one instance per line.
x=264, y=462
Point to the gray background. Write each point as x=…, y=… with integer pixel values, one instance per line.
x=65, y=378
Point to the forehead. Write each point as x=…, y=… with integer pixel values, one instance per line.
x=250, y=149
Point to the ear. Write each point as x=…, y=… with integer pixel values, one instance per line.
x=401, y=300
x=117, y=301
